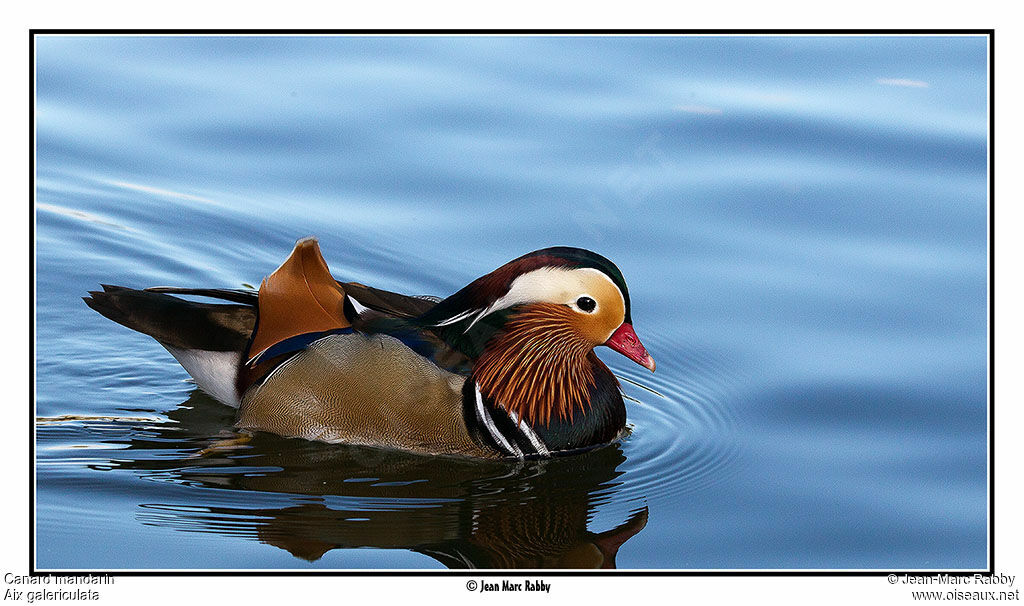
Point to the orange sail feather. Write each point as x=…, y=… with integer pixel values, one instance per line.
x=300, y=297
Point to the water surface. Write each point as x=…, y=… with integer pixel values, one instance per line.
x=801, y=221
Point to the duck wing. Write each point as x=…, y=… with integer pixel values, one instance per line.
x=390, y=303
x=236, y=295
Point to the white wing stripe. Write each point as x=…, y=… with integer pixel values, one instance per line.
x=489, y=424
x=456, y=318
x=356, y=305
x=534, y=439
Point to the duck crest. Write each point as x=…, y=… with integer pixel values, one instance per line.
x=537, y=365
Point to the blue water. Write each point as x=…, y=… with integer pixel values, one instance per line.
x=802, y=222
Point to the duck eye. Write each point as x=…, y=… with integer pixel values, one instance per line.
x=586, y=304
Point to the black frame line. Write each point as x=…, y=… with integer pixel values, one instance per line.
x=31, y=301
x=989, y=33
x=521, y=31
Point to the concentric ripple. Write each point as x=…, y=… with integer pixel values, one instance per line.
x=684, y=424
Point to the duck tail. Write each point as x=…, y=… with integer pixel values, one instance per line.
x=207, y=339
x=175, y=321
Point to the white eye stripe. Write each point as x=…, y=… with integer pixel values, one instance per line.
x=552, y=285
x=545, y=285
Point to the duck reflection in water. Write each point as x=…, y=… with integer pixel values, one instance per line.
x=464, y=513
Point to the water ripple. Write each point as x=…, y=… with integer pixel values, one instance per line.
x=685, y=421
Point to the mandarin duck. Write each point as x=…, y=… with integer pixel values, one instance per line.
x=503, y=368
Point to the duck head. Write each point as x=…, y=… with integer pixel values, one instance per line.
x=531, y=325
